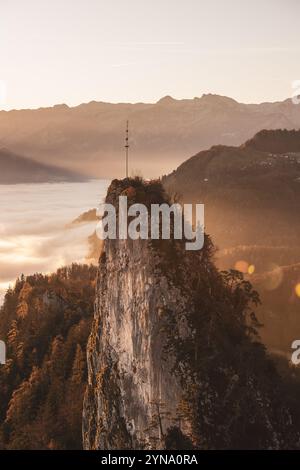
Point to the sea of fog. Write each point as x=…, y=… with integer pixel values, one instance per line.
x=33, y=233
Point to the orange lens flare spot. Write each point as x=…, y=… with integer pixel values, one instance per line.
x=242, y=266
x=297, y=289
x=251, y=269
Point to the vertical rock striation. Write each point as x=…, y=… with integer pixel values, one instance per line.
x=128, y=378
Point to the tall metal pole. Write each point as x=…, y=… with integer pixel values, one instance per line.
x=127, y=146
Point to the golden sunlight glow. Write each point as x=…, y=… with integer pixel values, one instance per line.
x=297, y=289
x=5, y=285
x=251, y=269
x=241, y=266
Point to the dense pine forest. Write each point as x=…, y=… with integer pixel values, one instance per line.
x=45, y=322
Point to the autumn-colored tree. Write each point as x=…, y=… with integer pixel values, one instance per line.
x=45, y=322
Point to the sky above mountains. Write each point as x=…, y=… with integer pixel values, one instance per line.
x=139, y=50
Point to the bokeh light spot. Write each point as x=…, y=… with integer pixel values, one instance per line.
x=241, y=266
x=297, y=289
x=251, y=269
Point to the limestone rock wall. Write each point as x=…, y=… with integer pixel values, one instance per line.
x=132, y=395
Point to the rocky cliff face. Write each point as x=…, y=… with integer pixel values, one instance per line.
x=132, y=396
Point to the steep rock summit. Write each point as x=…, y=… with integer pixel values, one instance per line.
x=174, y=358
x=133, y=396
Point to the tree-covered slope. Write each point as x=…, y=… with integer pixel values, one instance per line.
x=45, y=322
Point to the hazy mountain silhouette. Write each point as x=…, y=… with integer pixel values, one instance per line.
x=277, y=141
x=252, y=199
x=90, y=137
x=17, y=169
x=248, y=192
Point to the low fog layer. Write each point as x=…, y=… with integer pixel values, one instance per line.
x=33, y=232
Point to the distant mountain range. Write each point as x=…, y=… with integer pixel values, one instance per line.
x=18, y=169
x=89, y=138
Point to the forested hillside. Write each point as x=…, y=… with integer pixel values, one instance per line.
x=251, y=195
x=45, y=322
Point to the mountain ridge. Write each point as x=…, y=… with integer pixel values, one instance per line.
x=89, y=138
x=170, y=98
